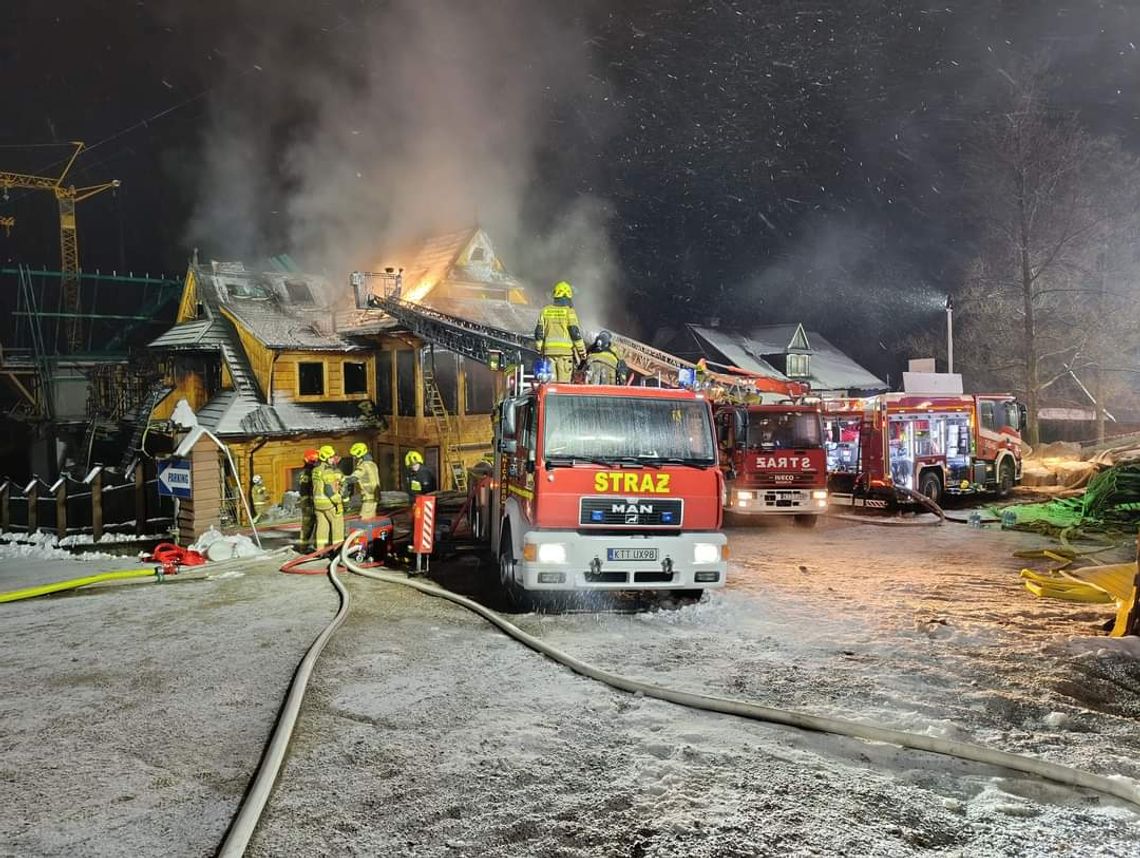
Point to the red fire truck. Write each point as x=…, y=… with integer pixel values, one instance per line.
x=603, y=488
x=774, y=460
x=931, y=444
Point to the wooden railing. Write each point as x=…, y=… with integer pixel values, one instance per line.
x=102, y=502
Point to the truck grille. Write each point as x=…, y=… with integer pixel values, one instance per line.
x=628, y=512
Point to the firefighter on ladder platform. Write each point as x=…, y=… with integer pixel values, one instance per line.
x=558, y=335
x=602, y=364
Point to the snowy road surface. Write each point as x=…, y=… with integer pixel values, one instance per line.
x=130, y=720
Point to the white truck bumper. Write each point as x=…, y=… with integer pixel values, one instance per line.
x=568, y=560
x=779, y=501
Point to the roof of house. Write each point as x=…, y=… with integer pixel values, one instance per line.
x=465, y=258
x=283, y=310
x=830, y=368
x=198, y=335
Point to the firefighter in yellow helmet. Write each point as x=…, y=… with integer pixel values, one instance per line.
x=327, y=500
x=602, y=364
x=558, y=335
x=259, y=497
x=366, y=475
x=418, y=478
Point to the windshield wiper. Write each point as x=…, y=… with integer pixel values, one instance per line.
x=570, y=461
x=701, y=464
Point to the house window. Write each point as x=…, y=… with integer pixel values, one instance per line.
x=311, y=379
x=355, y=378
x=480, y=388
x=298, y=292
x=384, y=382
x=446, y=378
x=798, y=366
x=406, y=383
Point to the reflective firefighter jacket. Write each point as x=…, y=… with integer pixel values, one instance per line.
x=558, y=331
x=604, y=367
x=367, y=476
x=326, y=486
x=421, y=482
x=305, y=484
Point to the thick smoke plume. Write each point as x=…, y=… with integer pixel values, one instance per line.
x=356, y=130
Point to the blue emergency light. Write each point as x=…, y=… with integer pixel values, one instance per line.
x=666, y=518
x=544, y=369
x=597, y=515
x=687, y=376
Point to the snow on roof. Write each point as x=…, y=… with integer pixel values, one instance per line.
x=283, y=310
x=830, y=368
x=735, y=350
x=199, y=335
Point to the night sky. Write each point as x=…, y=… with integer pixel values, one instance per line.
x=757, y=161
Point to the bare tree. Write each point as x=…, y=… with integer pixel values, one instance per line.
x=1051, y=200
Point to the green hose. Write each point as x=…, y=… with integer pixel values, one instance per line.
x=74, y=583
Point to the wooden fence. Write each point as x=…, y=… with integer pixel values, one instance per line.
x=104, y=501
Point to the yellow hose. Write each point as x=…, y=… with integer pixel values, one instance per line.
x=44, y=589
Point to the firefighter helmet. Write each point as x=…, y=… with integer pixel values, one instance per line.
x=257, y=481
x=414, y=457
x=326, y=452
x=312, y=456
x=358, y=450
x=562, y=289
x=603, y=340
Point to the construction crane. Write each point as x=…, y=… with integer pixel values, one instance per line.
x=67, y=196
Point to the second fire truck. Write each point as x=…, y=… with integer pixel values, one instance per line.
x=774, y=459
x=883, y=448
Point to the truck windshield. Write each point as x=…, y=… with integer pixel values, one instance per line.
x=783, y=431
x=627, y=427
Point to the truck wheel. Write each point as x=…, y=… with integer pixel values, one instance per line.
x=930, y=484
x=1005, y=479
x=807, y=520
x=518, y=599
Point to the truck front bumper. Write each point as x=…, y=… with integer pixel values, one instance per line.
x=568, y=560
x=776, y=501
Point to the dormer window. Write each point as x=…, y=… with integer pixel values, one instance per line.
x=299, y=293
x=799, y=366
x=478, y=255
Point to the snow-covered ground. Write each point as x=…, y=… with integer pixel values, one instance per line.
x=131, y=719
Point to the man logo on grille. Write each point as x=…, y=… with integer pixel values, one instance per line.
x=631, y=518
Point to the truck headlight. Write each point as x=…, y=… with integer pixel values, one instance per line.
x=551, y=552
x=819, y=494
x=744, y=495
x=706, y=552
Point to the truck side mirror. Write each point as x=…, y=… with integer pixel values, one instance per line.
x=510, y=446
x=740, y=425
x=1022, y=417
x=508, y=418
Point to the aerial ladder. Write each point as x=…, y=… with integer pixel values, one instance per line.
x=499, y=349
x=66, y=196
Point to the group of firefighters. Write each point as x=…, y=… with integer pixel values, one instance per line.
x=323, y=487
x=558, y=337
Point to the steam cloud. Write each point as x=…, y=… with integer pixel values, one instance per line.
x=340, y=138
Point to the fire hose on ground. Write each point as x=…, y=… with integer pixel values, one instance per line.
x=249, y=814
